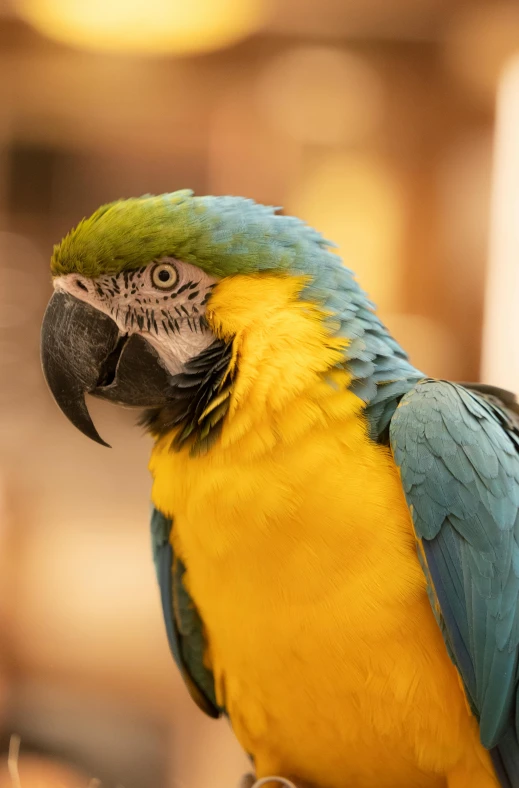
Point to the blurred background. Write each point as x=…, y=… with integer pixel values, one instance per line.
x=390, y=125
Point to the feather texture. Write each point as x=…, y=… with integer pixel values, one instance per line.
x=198, y=401
x=457, y=451
x=183, y=625
x=300, y=558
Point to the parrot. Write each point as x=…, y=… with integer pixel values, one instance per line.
x=334, y=532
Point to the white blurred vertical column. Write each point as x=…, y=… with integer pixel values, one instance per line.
x=500, y=361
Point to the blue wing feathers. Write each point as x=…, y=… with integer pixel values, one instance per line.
x=457, y=451
x=183, y=625
x=166, y=595
x=163, y=559
x=448, y=588
x=192, y=639
x=506, y=762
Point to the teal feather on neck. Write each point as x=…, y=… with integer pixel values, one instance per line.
x=380, y=368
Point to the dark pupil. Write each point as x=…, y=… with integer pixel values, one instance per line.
x=164, y=275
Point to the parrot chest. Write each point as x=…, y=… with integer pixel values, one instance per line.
x=321, y=639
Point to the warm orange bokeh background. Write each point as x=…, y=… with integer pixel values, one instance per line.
x=372, y=119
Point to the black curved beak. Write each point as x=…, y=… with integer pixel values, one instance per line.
x=76, y=341
x=83, y=351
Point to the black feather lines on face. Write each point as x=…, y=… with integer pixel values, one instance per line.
x=152, y=311
x=198, y=401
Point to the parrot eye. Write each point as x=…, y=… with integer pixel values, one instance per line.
x=164, y=276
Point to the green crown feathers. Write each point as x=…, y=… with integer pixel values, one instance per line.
x=222, y=235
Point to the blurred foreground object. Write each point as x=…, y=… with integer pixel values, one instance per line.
x=36, y=771
x=146, y=26
x=39, y=772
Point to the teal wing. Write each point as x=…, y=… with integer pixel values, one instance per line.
x=458, y=455
x=183, y=624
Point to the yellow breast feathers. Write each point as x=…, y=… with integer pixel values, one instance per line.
x=301, y=561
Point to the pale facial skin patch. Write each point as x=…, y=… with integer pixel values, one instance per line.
x=164, y=302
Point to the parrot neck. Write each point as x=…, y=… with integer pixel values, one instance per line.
x=380, y=370
x=281, y=363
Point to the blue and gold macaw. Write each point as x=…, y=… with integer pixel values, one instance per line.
x=335, y=534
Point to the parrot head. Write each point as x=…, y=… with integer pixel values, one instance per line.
x=132, y=319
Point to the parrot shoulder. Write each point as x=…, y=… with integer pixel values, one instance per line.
x=457, y=449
